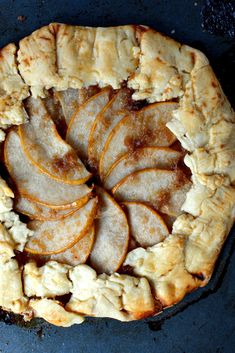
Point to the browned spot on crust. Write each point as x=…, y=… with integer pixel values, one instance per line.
x=143, y=315
x=45, y=38
x=142, y=28
x=214, y=84
x=193, y=58
x=26, y=61
x=158, y=305
x=132, y=75
x=139, y=31
x=53, y=28
x=158, y=59
x=199, y=276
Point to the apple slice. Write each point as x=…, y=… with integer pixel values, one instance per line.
x=141, y=158
x=37, y=186
x=40, y=212
x=47, y=150
x=78, y=253
x=156, y=187
x=56, y=113
x=144, y=128
x=112, y=235
x=53, y=237
x=71, y=99
x=146, y=225
x=111, y=114
x=80, y=125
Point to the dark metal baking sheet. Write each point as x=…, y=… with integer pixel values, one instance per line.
x=204, y=322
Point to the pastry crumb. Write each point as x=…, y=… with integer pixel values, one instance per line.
x=21, y=18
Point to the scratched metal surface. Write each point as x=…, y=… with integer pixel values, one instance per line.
x=205, y=320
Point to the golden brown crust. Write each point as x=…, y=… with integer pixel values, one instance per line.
x=64, y=56
x=117, y=296
x=157, y=68
x=164, y=266
x=12, y=89
x=37, y=60
x=53, y=312
x=163, y=67
x=11, y=289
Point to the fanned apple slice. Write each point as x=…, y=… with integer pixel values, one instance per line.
x=141, y=158
x=71, y=99
x=112, y=235
x=146, y=225
x=53, y=237
x=79, y=252
x=36, y=185
x=112, y=113
x=81, y=123
x=144, y=128
x=47, y=150
x=40, y=212
x=156, y=187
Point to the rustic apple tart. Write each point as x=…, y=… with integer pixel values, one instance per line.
x=117, y=173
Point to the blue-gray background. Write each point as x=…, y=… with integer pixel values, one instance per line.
x=201, y=325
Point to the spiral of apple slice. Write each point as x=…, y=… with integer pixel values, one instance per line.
x=146, y=127
x=112, y=235
x=40, y=212
x=53, y=237
x=81, y=123
x=37, y=186
x=146, y=225
x=164, y=190
x=141, y=158
x=45, y=148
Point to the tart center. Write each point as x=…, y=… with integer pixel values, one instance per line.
x=96, y=174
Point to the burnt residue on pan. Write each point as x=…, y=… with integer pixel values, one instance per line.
x=225, y=66
x=218, y=17
x=13, y=319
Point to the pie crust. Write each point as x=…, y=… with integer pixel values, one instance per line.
x=158, y=69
